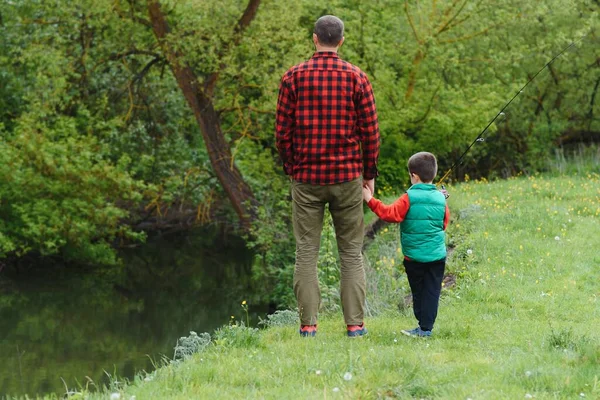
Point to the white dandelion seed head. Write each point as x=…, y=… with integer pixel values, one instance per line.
x=556, y=237
x=581, y=394
x=528, y=396
x=336, y=389
x=318, y=372
x=469, y=251
x=115, y=396
x=528, y=373
x=395, y=340
x=347, y=376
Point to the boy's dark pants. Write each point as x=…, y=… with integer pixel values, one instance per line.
x=425, y=280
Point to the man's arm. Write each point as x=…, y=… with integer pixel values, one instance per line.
x=285, y=124
x=368, y=128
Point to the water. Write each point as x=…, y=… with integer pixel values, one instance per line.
x=79, y=326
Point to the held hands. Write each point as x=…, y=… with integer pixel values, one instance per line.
x=367, y=195
x=368, y=189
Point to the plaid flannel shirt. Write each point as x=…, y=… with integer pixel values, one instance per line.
x=326, y=126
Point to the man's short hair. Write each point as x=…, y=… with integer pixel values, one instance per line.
x=423, y=164
x=329, y=30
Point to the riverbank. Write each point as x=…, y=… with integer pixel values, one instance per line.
x=527, y=269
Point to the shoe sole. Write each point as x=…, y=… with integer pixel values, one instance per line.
x=415, y=336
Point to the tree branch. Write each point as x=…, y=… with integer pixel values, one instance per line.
x=132, y=16
x=410, y=22
x=471, y=36
x=240, y=27
x=445, y=25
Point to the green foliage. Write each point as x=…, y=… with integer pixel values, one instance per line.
x=236, y=335
x=281, y=318
x=60, y=195
x=189, y=345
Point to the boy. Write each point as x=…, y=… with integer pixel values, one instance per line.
x=423, y=216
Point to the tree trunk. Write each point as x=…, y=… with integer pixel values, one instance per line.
x=219, y=151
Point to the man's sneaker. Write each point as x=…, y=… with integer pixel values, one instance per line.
x=356, y=330
x=308, y=330
x=417, y=332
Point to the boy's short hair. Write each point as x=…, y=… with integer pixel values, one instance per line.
x=424, y=165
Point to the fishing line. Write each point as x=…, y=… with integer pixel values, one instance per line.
x=479, y=137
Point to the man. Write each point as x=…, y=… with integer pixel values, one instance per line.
x=327, y=135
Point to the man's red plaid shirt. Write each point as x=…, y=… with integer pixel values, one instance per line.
x=325, y=116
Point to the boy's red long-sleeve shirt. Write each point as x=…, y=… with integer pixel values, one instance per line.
x=396, y=212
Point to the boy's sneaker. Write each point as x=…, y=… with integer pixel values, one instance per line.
x=308, y=330
x=417, y=332
x=412, y=332
x=356, y=330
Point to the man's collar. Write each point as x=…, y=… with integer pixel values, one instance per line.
x=325, y=54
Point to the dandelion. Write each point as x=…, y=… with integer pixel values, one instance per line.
x=318, y=372
x=115, y=396
x=528, y=396
x=395, y=340
x=347, y=376
x=528, y=373
x=469, y=251
x=336, y=389
x=245, y=308
x=556, y=238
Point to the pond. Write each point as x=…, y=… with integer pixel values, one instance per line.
x=72, y=327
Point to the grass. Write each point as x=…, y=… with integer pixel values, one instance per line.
x=520, y=322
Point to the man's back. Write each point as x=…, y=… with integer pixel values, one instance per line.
x=326, y=110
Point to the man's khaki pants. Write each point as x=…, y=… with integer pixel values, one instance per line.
x=346, y=208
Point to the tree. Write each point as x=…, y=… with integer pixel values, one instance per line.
x=198, y=97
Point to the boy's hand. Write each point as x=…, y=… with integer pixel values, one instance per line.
x=444, y=192
x=367, y=195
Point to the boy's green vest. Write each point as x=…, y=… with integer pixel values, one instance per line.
x=422, y=231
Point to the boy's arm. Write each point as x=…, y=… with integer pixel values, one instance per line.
x=446, y=217
x=392, y=213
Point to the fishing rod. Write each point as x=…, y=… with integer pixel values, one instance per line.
x=479, y=137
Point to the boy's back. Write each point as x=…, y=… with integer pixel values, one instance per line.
x=423, y=237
